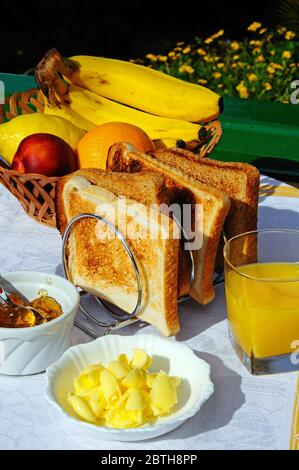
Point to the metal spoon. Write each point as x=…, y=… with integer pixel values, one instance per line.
x=5, y=300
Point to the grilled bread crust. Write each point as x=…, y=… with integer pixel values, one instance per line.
x=146, y=188
x=183, y=189
x=240, y=181
x=103, y=268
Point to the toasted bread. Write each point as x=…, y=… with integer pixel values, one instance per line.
x=240, y=181
x=185, y=190
x=101, y=266
x=147, y=189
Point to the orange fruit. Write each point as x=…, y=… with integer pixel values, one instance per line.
x=93, y=148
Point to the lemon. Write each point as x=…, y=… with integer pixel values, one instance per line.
x=13, y=132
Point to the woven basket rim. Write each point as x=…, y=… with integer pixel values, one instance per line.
x=28, y=175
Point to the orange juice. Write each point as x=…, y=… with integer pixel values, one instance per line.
x=264, y=312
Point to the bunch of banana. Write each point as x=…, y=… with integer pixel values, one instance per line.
x=100, y=110
x=100, y=90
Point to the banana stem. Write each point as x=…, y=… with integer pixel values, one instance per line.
x=48, y=76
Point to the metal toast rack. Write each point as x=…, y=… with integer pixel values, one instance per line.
x=88, y=318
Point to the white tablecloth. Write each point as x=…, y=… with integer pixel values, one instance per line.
x=245, y=412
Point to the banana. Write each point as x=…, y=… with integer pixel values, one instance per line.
x=165, y=143
x=100, y=110
x=134, y=85
x=14, y=131
x=65, y=111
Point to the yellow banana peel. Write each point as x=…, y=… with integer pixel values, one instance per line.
x=143, y=88
x=131, y=84
x=99, y=110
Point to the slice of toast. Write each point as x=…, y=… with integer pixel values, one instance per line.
x=240, y=181
x=146, y=188
x=100, y=265
x=184, y=190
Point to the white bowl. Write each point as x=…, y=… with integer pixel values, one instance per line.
x=26, y=351
x=168, y=355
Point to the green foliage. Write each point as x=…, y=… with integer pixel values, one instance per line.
x=262, y=66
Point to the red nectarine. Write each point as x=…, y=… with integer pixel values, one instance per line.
x=45, y=154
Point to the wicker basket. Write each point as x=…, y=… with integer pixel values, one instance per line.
x=35, y=192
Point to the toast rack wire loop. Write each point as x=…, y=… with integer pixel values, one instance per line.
x=120, y=319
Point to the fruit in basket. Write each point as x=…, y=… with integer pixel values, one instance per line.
x=13, y=132
x=134, y=85
x=65, y=111
x=100, y=110
x=94, y=146
x=45, y=154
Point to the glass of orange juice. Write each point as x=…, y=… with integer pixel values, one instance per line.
x=262, y=296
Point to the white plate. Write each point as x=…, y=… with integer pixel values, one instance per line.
x=168, y=355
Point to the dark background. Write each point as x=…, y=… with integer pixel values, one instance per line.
x=117, y=28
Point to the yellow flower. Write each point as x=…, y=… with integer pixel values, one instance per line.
x=281, y=29
x=220, y=85
x=276, y=66
x=254, y=26
x=267, y=86
x=272, y=52
x=186, y=50
x=286, y=55
x=270, y=69
x=186, y=69
x=252, y=77
x=208, y=58
x=256, y=50
x=171, y=54
x=235, y=46
x=290, y=35
x=234, y=65
x=201, y=51
x=209, y=40
x=162, y=58
x=219, y=33
x=202, y=81
x=260, y=58
x=256, y=43
x=151, y=57
x=180, y=43
x=262, y=31
x=220, y=65
x=236, y=57
x=216, y=74
x=242, y=89
x=177, y=49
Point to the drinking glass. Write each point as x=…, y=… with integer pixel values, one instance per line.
x=262, y=296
